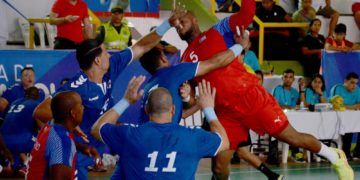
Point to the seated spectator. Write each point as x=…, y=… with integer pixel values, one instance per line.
x=250, y=59
x=350, y=92
x=306, y=13
x=286, y=95
x=270, y=12
x=312, y=44
x=68, y=15
x=356, y=12
x=339, y=43
x=116, y=33
x=18, y=90
x=19, y=128
x=325, y=9
x=315, y=91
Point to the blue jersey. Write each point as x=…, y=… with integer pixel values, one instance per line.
x=19, y=125
x=286, y=97
x=97, y=98
x=313, y=98
x=350, y=98
x=170, y=78
x=159, y=151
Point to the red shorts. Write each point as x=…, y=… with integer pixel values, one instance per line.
x=355, y=7
x=265, y=116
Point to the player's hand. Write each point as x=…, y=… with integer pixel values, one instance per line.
x=185, y=90
x=7, y=155
x=242, y=37
x=178, y=12
x=206, y=95
x=132, y=93
x=301, y=84
x=70, y=18
x=81, y=134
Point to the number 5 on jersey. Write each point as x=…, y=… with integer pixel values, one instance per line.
x=194, y=58
x=170, y=167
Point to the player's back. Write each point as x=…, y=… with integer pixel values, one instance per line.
x=163, y=151
x=19, y=121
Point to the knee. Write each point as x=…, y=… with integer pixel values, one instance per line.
x=242, y=152
x=219, y=168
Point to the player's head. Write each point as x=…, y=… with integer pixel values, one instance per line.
x=306, y=4
x=315, y=26
x=159, y=105
x=340, y=32
x=288, y=77
x=28, y=77
x=260, y=75
x=32, y=93
x=267, y=4
x=317, y=82
x=154, y=60
x=67, y=109
x=117, y=14
x=92, y=54
x=187, y=26
x=351, y=81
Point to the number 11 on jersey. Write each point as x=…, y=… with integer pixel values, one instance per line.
x=152, y=166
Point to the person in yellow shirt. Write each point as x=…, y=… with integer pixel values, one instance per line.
x=116, y=33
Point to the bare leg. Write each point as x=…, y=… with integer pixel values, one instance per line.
x=333, y=21
x=221, y=165
x=245, y=154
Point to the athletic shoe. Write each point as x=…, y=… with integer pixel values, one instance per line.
x=342, y=168
x=281, y=177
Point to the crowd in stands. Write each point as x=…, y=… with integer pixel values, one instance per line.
x=20, y=128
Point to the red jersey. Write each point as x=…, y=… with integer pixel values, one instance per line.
x=54, y=145
x=71, y=31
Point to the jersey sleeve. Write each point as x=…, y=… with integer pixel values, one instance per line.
x=86, y=12
x=9, y=96
x=183, y=72
x=276, y=93
x=296, y=97
x=110, y=134
x=207, y=143
x=244, y=17
x=57, y=7
x=59, y=150
x=119, y=61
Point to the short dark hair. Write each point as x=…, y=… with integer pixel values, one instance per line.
x=61, y=104
x=87, y=51
x=352, y=75
x=27, y=68
x=289, y=71
x=32, y=93
x=259, y=72
x=340, y=28
x=313, y=21
x=150, y=61
x=317, y=75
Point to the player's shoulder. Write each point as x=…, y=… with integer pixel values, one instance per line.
x=59, y=137
x=78, y=83
x=16, y=87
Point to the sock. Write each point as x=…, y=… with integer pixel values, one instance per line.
x=329, y=154
x=270, y=174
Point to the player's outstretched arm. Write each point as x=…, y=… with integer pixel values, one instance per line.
x=42, y=112
x=207, y=101
x=224, y=58
x=152, y=39
x=132, y=95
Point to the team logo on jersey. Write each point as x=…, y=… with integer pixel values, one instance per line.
x=37, y=146
x=78, y=82
x=277, y=120
x=94, y=98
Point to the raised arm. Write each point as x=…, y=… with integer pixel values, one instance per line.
x=132, y=95
x=224, y=58
x=244, y=17
x=206, y=102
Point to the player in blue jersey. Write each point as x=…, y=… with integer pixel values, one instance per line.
x=94, y=82
x=18, y=90
x=160, y=149
x=19, y=128
x=172, y=77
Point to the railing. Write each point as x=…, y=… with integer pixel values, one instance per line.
x=32, y=21
x=263, y=25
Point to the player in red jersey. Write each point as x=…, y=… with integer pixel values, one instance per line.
x=242, y=104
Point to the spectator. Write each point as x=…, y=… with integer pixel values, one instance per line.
x=68, y=15
x=306, y=13
x=116, y=33
x=312, y=44
x=19, y=128
x=18, y=90
x=315, y=91
x=250, y=59
x=339, y=43
x=325, y=9
x=350, y=92
x=286, y=95
x=260, y=75
x=356, y=12
x=270, y=12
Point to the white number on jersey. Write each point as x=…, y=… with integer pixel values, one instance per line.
x=153, y=156
x=16, y=109
x=194, y=58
